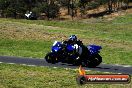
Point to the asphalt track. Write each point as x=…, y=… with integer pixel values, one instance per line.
x=125, y=69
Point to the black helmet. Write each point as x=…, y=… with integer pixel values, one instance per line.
x=73, y=38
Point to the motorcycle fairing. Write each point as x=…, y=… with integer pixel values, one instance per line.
x=94, y=49
x=56, y=46
x=70, y=48
x=55, y=49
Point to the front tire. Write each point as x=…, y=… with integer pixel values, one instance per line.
x=50, y=58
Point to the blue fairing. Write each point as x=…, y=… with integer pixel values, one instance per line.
x=56, y=46
x=94, y=49
x=55, y=49
x=70, y=48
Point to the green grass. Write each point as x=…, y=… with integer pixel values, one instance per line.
x=24, y=48
x=19, y=76
x=124, y=19
x=27, y=38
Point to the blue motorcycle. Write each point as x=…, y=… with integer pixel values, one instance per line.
x=74, y=54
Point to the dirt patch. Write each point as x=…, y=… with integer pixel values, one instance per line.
x=28, y=32
x=100, y=12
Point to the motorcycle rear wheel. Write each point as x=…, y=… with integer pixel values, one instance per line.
x=98, y=59
x=94, y=61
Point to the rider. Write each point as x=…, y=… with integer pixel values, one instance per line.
x=76, y=43
x=82, y=51
x=73, y=40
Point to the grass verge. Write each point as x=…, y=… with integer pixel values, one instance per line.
x=19, y=76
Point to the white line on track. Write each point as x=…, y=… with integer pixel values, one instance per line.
x=11, y=63
x=106, y=72
x=120, y=65
x=126, y=66
x=31, y=65
x=54, y=67
x=24, y=64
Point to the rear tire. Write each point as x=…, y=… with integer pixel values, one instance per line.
x=94, y=61
x=98, y=59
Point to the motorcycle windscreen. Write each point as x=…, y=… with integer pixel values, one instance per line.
x=94, y=48
x=56, y=43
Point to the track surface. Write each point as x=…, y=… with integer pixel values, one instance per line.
x=41, y=62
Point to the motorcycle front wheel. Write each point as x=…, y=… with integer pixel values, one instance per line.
x=50, y=58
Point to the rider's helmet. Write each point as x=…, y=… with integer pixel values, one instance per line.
x=73, y=38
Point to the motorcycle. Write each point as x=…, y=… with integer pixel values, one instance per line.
x=30, y=16
x=74, y=54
